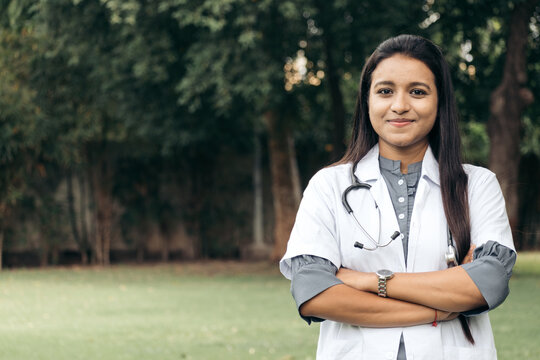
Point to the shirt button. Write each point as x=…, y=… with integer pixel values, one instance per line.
x=400, y=182
x=401, y=216
x=401, y=199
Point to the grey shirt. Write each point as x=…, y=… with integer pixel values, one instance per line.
x=402, y=189
x=490, y=270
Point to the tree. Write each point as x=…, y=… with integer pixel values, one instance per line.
x=241, y=33
x=492, y=76
x=508, y=101
x=21, y=130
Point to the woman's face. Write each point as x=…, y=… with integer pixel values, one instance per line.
x=402, y=104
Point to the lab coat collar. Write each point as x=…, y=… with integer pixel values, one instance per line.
x=430, y=167
x=368, y=168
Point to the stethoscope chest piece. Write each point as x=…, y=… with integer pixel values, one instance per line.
x=451, y=256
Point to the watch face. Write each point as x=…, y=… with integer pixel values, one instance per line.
x=385, y=273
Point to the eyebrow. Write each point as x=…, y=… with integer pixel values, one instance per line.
x=415, y=83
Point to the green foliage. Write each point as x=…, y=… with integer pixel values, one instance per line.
x=475, y=142
x=531, y=136
x=176, y=87
x=21, y=128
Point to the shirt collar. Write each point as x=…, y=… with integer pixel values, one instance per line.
x=394, y=166
x=368, y=167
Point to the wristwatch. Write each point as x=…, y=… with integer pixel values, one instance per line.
x=384, y=275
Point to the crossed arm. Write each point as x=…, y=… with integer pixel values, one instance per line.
x=345, y=304
x=413, y=298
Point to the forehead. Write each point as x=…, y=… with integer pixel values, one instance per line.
x=402, y=69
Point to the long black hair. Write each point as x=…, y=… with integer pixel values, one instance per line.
x=444, y=138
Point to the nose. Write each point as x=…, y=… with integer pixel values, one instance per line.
x=400, y=104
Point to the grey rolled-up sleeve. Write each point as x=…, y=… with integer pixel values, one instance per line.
x=490, y=270
x=311, y=275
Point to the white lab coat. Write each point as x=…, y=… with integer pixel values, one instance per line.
x=324, y=228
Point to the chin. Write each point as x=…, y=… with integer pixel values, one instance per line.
x=403, y=143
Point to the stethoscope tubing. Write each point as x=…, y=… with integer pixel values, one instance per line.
x=356, y=184
x=450, y=254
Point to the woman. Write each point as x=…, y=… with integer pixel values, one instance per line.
x=375, y=261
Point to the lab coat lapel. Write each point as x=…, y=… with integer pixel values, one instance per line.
x=368, y=170
x=419, y=202
x=389, y=222
x=428, y=185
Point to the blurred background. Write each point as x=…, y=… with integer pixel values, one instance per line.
x=168, y=130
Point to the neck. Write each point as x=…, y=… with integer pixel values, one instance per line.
x=406, y=156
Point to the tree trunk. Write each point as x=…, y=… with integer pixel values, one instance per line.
x=529, y=202
x=55, y=254
x=285, y=199
x=327, y=16
x=338, y=109
x=165, y=252
x=71, y=211
x=508, y=101
x=258, y=210
x=1, y=245
x=103, y=201
x=93, y=239
x=295, y=173
x=165, y=238
x=141, y=240
x=104, y=220
x=44, y=253
x=84, y=225
x=257, y=250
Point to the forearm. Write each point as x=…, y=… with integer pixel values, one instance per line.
x=344, y=304
x=448, y=290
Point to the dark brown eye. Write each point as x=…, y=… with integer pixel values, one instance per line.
x=418, y=92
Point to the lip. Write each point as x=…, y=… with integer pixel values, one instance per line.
x=400, y=122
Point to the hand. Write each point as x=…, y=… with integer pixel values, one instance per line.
x=446, y=316
x=356, y=279
x=469, y=257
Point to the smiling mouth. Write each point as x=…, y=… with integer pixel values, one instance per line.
x=400, y=122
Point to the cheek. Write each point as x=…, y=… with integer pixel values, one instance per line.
x=374, y=118
x=428, y=110
x=428, y=114
x=375, y=110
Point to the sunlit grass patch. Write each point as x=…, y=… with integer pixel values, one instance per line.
x=202, y=310
x=214, y=310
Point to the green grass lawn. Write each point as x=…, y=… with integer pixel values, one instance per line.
x=215, y=310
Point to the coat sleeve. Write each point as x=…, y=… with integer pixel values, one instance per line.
x=491, y=270
x=311, y=275
x=494, y=256
x=489, y=220
x=314, y=231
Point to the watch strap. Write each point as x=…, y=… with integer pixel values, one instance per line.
x=382, y=286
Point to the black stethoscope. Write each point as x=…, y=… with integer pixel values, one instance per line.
x=450, y=255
